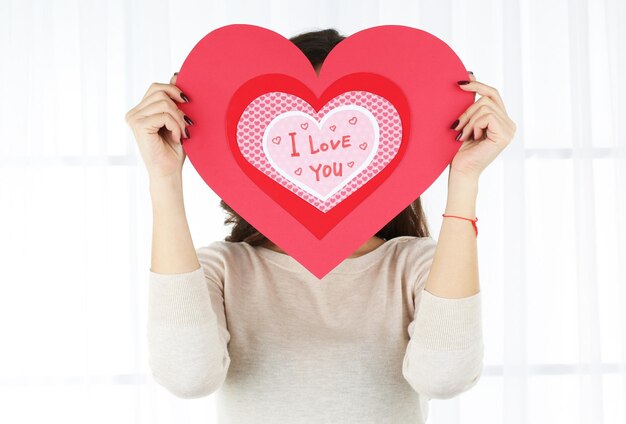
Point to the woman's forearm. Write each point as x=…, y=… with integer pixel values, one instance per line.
x=173, y=251
x=454, y=271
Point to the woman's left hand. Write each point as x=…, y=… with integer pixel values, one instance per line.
x=486, y=130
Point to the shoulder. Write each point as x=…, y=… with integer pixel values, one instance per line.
x=225, y=250
x=413, y=246
x=217, y=247
x=219, y=256
x=415, y=256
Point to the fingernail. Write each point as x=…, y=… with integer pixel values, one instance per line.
x=457, y=137
x=188, y=120
x=187, y=132
x=185, y=98
x=175, y=73
x=470, y=72
x=463, y=82
x=455, y=124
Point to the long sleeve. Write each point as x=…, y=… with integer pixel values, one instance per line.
x=186, y=330
x=444, y=356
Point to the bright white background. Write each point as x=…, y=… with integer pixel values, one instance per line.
x=75, y=216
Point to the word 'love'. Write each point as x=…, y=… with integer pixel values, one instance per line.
x=323, y=157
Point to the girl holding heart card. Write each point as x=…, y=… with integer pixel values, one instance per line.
x=395, y=324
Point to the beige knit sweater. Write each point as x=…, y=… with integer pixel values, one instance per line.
x=365, y=344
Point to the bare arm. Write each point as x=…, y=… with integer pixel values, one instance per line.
x=486, y=130
x=186, y=330
x=444, y=357
x=187, y=333
x=445, y=353
x=454, y=271
x=159, y=125
x=173, y=251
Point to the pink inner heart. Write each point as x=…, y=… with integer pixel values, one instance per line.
x=252, y=130
x=314, y=157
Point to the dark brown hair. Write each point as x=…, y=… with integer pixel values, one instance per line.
x=410, y=222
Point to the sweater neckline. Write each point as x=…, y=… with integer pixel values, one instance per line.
x=347, y=266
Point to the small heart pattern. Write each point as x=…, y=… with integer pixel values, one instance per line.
x=324, y=156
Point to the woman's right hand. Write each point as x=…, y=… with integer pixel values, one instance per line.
x=159, y=126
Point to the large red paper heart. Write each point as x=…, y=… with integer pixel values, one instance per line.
x=236, y=64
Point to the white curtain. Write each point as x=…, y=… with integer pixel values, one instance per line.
x=75, y=217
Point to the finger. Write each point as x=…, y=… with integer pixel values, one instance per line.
x=484, y=118
x=153, y=123
x=469, y=129
x=467, y=114
x=174, y=92
x=169, y=91
x=487, y=120
x=478, y=130
x=164, y=104
x=158, y=96
x=490, y=126
x=173, y=79
x=472, y=78
x=484, y=90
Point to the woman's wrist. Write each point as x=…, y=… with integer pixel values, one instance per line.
x=166, y=189
x=462, y=194
x=168, y=183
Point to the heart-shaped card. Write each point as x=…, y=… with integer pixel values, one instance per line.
x=319, y=164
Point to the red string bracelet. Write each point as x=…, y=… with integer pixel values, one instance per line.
x=468, y=219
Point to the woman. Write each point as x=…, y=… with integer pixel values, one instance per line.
x=392, y=326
